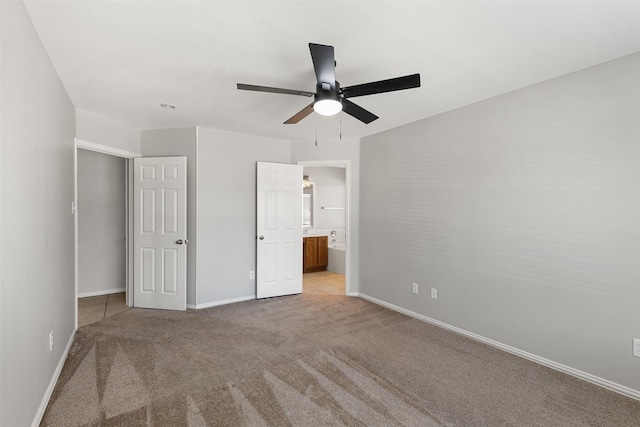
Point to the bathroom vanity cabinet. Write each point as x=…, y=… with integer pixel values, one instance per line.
x=316, y=253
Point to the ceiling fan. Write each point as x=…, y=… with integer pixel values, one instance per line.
x=330, y=98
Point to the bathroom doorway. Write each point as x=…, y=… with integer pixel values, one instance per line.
x=325, y=230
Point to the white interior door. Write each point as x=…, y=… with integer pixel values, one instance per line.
x=279, y=229
x=160, y=232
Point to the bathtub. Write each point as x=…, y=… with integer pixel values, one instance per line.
x=337, y=258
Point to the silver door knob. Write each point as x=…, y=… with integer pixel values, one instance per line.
x=261, y=237
x=123, y=238
x=180, y=242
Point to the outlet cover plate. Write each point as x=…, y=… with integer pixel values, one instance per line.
x=434, y=293
x=252, y=275
x=414, y=288
x=636, y=347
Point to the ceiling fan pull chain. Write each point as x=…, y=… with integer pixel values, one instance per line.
x=316, y=131
x=340, y=126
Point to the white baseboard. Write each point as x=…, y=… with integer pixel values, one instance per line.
x=618, y=388
x=103, y=292
x=52, y=383
x=221, y=302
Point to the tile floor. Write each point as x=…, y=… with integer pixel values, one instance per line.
x=323, y=282
x=94, y=309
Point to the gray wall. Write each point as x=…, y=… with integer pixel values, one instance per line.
x=227, y=211
x=345, y=149
x=101, y=223
x=221, y=206
x=179, y=142
x=37, y=127
x=522, y=210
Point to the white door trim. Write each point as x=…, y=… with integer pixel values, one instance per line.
x=105, y=149
x=347, y=211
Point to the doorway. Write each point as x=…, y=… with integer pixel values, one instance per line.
x=102, y=224
x=328, y=231
x=102, y=229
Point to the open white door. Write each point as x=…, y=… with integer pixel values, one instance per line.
x=279, y=229
x=160, y=232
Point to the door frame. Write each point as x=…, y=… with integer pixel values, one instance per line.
x=347, y=212
x=127, y=155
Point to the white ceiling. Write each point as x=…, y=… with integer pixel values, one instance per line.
x=122, y=59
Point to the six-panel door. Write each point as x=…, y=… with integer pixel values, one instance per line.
x=160, y=232
x=279, y=229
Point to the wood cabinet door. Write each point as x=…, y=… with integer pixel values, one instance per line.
x=310, y=253
x=316, y=254
x=305, y=241
x=322, y=251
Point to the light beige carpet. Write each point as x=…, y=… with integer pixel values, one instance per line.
x=310, y=360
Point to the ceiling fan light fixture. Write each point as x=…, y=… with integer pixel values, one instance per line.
x=327, y=107
x=327, y=102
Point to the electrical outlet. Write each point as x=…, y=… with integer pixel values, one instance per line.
x=51, y=341
x=636, y=347
x=252, y=275
x=414, y=288
x=434, y=293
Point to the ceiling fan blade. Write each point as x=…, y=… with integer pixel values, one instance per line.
x=381, y=86
x=300, y=115
x=358, y=112
x=324, y=64
x=255, y=88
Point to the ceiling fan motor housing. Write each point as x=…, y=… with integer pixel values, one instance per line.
x=324, y=94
